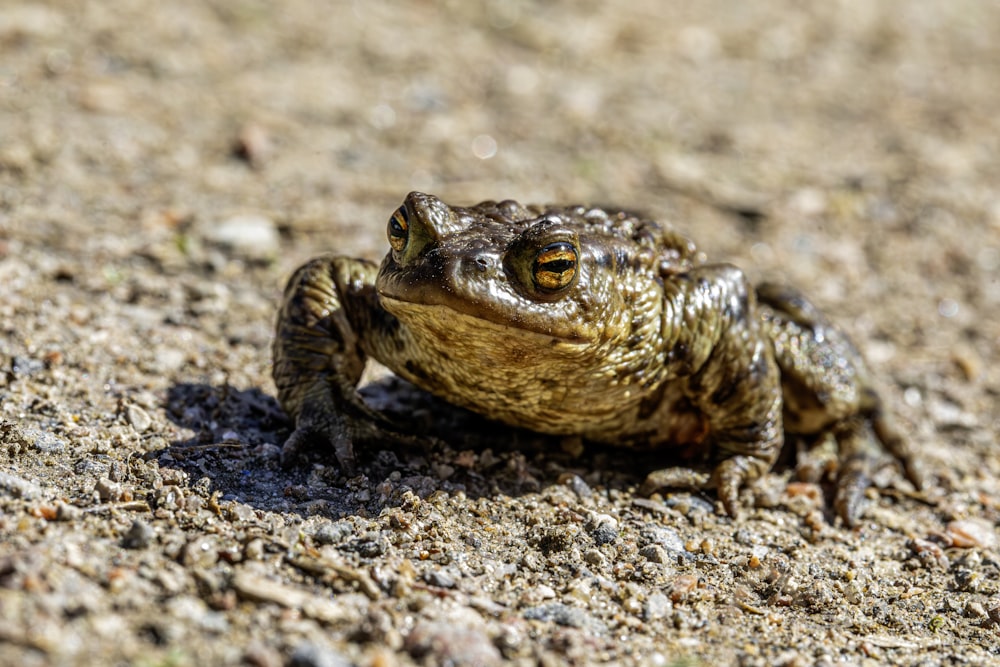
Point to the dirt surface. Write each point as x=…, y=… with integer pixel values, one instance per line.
x=164, y=167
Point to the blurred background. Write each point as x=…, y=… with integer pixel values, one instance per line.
x=164, y=166
x=340, y=108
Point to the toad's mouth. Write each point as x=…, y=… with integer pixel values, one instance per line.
x=484, y=319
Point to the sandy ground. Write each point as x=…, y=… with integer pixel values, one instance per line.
x=164, y=167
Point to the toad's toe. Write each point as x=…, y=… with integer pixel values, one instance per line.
x=319, y=435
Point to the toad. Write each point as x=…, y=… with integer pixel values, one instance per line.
x=579, y=321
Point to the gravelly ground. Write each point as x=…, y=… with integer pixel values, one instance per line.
x=164, y=167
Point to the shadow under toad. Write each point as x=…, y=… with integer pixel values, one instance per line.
x=238, y=433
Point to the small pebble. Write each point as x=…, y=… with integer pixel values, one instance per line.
x=200, y=552
x=669, y=539
x=658, y=605
x=259, y=654
x=173, y=476
x=333, y=532
x=253, y=144
x=561, y=614
x=947, y=414
x=44, y=441
x=451, y=644
x=108, y=491
x=139, y=535
x=930, y=554
x=543, y=592
x=91, y=467
x=252, y=236
x=25, y=366
x=169, y=498
x=682, y=587
x=974, y=609
x=308, y=654
x=603, y=528
x=251, y=586
x=654, y=553
x=254, y=549
x=17, y=487
x=972, y=532
x=138, y=418
x=578, y=486
x=369, y=546
x=439, y=578
x=66, y=512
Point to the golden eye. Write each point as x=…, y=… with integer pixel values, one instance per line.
x=555, y=266
x=399, y=229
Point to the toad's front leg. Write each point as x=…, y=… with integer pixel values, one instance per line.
x=328, y=307
x=716, y=343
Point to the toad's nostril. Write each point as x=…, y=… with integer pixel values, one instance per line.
x=482, y=263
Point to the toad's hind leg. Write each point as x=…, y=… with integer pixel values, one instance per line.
x=827, y=388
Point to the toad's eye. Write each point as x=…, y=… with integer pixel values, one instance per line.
x=555, y=266
x=399, y=229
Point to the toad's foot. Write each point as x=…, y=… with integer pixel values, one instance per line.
x=323, y=429
x=729, y=477
x=861, y=456
x=316, y=433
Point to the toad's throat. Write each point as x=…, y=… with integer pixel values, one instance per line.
x=435, y=312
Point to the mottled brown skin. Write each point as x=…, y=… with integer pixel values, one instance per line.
x=577, y=321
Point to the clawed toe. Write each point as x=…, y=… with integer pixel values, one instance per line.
x=733, y=474
x=674, y=478
x=309, y=435
x=852, y=482
x=865, y=448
